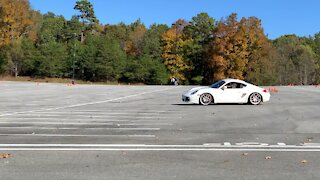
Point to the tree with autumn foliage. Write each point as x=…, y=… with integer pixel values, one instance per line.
x=261, y=54
x=143, y=49
x=236, y=45
x=227, y=54
x=16, y=21
x=172, y=55
x=134, y=43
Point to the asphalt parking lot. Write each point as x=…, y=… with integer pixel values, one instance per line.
x=55, y=131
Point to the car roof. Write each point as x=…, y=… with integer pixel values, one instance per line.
x=234, y=80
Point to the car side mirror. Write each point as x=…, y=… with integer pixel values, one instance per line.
x=223, y=88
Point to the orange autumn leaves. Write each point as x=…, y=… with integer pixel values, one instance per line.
x=235, y=48
x=173, y=54
x=237, y=45
x=16, y=19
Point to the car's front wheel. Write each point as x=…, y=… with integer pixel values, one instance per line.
x=205, y=99
x=255, y=99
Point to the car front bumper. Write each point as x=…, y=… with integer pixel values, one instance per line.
x=185, y=98
x=190, y=98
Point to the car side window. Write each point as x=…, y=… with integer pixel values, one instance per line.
x=240, y=85
x=231, y=85
x=234, y=85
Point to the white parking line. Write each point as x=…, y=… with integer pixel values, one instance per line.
x=83, y=104
x=85, y=114
x=79, y=113
x=115, y=110
x=8, y=120
x=157, y=149
x=143, y=147
x=81, y=135
x=215, y=145
x=92, y=116
x=82, y=128
x=85, y=123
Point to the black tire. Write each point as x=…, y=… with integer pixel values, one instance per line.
x=255, y=98
x=205, y=99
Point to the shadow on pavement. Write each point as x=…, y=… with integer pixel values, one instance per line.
x=220, y=104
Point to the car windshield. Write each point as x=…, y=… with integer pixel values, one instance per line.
x=217, y=84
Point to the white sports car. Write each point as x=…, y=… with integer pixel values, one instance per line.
x=227, y=91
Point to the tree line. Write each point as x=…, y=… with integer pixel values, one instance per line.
x=199, y=51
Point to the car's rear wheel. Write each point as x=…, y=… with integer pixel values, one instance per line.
x=206, y=99
x=255, y=99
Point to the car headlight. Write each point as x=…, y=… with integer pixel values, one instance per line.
x=194, y=92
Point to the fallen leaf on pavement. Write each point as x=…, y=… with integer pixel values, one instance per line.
x=4, y=156
x=304, y=161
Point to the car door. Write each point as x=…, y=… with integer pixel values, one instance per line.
x=242, y=92
x=232, y=92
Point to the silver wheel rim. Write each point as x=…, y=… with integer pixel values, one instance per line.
x=255, y=98
x=205, y=99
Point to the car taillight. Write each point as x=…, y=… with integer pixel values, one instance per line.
x=265, y=91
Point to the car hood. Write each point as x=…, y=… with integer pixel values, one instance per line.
x=196, y=89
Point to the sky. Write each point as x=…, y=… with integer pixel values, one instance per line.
x=279, y=17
